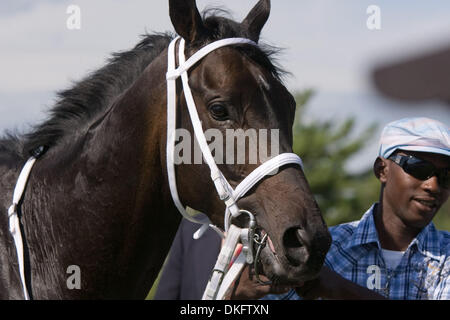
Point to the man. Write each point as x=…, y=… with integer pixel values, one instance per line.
x=394, y=251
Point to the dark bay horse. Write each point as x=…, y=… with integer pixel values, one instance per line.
x=98, y=198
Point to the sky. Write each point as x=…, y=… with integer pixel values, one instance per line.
x=327, y=46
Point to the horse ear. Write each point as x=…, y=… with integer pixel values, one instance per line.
x=256, y=19
x=186, y=19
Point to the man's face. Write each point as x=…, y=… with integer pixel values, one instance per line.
x=412, y=200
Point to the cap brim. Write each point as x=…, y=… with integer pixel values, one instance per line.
x=444, y=152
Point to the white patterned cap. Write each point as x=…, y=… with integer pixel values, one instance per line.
x=415, y=134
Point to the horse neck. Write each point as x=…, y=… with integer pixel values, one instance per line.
x=139, y=128
x=119, y=174
x=140, y=119
x=138, y=123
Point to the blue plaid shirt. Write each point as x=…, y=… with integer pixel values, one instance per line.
x=355, y=254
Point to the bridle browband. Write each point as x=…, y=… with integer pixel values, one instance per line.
x=221, y=278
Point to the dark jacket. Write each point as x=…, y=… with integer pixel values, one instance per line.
x=190, y=263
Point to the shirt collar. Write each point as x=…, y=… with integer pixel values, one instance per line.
x=427, y=241
x=365, y=231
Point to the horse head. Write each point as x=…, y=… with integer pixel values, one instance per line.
x=100, y=192
x=238, y=89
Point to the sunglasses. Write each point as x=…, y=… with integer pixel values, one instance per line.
x=422, y=169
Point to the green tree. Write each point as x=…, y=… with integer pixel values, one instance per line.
x=442, y=219
x=325, y=148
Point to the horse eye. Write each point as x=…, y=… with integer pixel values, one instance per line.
x=219, y=112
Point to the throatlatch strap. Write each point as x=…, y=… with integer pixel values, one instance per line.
x=171, y=137
x=224, y=190
x=14, y=223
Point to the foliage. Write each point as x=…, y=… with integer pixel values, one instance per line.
x=442, y=219
x=325, y=148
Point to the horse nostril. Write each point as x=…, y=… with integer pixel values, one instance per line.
x=295, y=241
x=293, y=238
x=303, y=237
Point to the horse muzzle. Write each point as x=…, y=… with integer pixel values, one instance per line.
x=297, y=257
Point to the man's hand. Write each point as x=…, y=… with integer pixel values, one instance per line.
x=248, y=288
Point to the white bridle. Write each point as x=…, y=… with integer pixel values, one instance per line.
x=219, y=283
x=217, y=286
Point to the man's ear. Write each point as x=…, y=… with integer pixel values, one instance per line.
x=380, y=169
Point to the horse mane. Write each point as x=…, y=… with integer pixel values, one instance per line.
x=92, y=95
x=86, y=99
